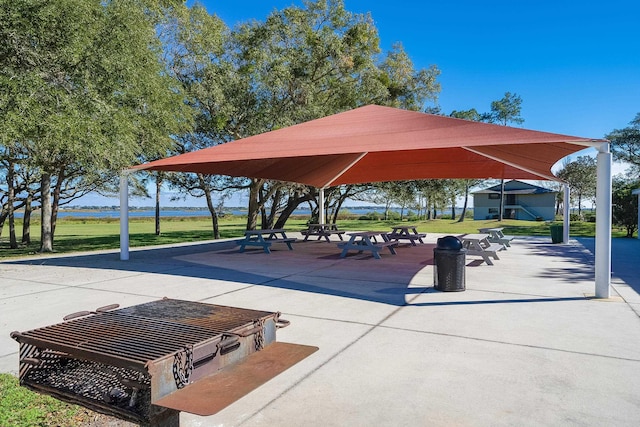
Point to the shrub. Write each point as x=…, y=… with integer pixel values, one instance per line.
x=371, y=216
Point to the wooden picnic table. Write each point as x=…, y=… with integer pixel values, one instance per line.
x=497, y=236
x=404, y=232
x=479, y=244
x=367, y=241
x=257, y=238
x=322, y=230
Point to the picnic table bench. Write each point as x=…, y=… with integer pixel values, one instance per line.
x=497, y=236
x=406, y=233
x=479, y=244
x=322, y=230
x=257, y=238
x=367, y=241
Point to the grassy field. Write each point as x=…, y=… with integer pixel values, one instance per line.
x=88, y=234
x=20, y=407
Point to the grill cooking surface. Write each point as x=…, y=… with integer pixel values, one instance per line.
x=145, y=332
x=142, y=363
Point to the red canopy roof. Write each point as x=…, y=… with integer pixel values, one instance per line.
x=374, y=143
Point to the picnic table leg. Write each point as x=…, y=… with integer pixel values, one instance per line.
x=344, y=252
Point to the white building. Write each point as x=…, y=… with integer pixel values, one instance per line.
x=521, y=201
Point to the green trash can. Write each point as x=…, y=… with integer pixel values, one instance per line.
x=557, y=230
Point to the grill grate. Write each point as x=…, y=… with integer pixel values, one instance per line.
x=145, y=332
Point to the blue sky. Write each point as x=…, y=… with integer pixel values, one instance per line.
x=576, y=65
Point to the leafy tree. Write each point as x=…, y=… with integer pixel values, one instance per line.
x=581, y=177
x=85, y=92
x=625, y=204
x=506, y=110
x=433, y=195
x=300, y=64
x=194, y=55
x=625, y=144
x=471, y=114
x=405, y=87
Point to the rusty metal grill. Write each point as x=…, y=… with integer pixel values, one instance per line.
x=133, y=336
x=120, y=362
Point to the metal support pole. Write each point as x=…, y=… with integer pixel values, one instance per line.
x=603, y=223
x=124, y=216
x=566, y=215
x=321, y=212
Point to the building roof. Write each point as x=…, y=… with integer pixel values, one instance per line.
x=516, y=187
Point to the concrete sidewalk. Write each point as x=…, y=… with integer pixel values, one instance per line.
x=523, y=345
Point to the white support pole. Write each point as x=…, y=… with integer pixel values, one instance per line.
x=566, y=215
x=603, y=223
x=124, y=216
x=321, y=213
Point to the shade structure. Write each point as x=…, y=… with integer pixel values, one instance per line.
x=375, y=143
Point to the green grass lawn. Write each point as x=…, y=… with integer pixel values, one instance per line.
x=88, y=234
x=20, y=407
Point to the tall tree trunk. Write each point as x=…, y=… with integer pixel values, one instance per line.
x=55, y=206
x=334, y=220
x=269, y=218
x=579, y=205
x=466, y=201
x=26, y=220
x=254, y=204
x=292, y=204
x=214, y=215
x=158, y=188
x=13, y=243
x=453, y=208
x=501, y=210
x=212, y=209
x=46, y=244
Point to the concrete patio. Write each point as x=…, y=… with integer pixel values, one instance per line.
x=525, y=344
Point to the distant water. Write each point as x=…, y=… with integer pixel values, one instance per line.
x=150, y=213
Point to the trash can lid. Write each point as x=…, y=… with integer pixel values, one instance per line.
x=449, y=242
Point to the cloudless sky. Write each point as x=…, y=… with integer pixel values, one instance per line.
x=575, y=64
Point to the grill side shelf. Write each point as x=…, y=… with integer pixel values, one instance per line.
x=215, y=392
